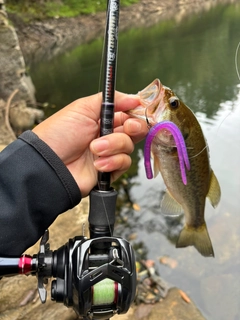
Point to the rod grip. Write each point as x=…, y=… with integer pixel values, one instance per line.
x=102, y=207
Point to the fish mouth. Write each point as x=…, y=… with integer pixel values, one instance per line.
x=165, y=140
x=151, y=103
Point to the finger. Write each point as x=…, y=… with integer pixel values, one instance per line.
x=116, y=163
x=91, y=105
x=125, y=102
x=136, y=129
x=120, y=118
x=112, y=144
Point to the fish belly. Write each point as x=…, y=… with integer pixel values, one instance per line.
x=190, y=197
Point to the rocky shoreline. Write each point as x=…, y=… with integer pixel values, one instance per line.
x=42, y=40
x=16, y=87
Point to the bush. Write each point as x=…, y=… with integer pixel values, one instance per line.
x=41, y=9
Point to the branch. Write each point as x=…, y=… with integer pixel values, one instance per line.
x=7, y=123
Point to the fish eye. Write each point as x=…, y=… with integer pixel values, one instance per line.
x=174, y=102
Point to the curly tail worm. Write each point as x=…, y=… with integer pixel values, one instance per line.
x=180, y=144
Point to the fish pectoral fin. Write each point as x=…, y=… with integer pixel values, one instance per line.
x=169, y=206
x=156, y=165
x=197, y=237
x=214, y=192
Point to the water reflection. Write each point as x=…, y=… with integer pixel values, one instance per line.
x=196, y=59
x=199, y=51
x=131, y=216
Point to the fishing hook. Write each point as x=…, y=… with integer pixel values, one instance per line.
x=148, y=123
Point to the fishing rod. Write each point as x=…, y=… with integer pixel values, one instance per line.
x=96, y=276
x=110, y=65
x=103, y=197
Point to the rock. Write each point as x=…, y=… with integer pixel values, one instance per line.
x=6, y=134
x=15, y=85
x=20, y=118
x=13, y=73
x=173, y=307
x=2, y=146
x=23, y=118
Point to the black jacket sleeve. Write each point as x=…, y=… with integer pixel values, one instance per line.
x=35, y=187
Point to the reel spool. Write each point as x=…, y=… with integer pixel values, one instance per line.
x=105, y=292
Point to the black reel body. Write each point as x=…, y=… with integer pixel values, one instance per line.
x=101, y=284
x=96, y=276
x=97, y=284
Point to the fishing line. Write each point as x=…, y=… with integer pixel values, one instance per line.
x=238, y=75
x=196, y=155
x=236, y=62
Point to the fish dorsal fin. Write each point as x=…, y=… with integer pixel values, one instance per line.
x=214, y=192
x=169, y=206
x=156, y=165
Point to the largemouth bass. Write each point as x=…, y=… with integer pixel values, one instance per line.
x=159, y=103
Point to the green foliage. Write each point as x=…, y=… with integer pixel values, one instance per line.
x=32, y=9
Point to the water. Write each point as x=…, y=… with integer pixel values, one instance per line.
x=195, y=57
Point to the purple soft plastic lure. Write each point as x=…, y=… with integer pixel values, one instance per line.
x=180, y=144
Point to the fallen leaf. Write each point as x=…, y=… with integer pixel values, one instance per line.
x=138, y=266
x=136, y=206
x=170, y=262
x=184, y=296
x=132, y=236
x=149, y=263
x=30, y=296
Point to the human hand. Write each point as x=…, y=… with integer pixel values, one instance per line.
x=73, y=134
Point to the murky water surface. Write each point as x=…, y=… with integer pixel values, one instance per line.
x=196, y=58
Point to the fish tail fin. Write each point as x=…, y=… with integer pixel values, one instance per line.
x=197, y=237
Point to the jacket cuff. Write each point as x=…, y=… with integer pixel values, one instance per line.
x=56, y=163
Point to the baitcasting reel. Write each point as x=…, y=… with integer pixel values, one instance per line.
x=96, y=276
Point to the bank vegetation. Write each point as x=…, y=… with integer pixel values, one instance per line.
x=37, y=10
